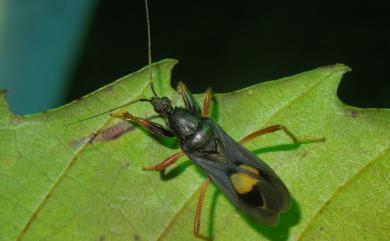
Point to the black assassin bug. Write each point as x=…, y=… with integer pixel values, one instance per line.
x=244, y=178
x=247, y=181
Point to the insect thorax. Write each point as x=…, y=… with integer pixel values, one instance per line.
x=192, y=130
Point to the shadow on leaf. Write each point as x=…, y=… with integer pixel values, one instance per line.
x=176, y=171
x=283, y=147
x=278, y=233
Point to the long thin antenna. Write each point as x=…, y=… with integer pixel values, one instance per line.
x=149, y=48
x=150, y=74
x=108, y=111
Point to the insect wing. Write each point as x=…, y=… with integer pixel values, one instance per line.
x=245, y=179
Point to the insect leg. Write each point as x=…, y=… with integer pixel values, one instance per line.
x=167, y=162
x=208, y=95
x=187, y=97
x=198, y=213
x=267, y=130
x=153, y=127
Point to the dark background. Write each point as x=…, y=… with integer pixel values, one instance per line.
x=232, y=44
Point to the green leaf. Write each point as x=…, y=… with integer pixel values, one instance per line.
x=85, y=181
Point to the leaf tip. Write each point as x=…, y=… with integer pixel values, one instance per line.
x=170, y=63
x=3, y=100
x=3, y=92
x=338, y=67
x=342, y=68
x=5, y=113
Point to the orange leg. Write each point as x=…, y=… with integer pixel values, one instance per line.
x=198, y=213
x=167, y=162
x=269, y=130
x=206, y=102
x=153, y=127
x=187, y=97
x=278, y=128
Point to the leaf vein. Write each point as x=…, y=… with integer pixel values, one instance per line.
x=338, y=192
x=62, y=176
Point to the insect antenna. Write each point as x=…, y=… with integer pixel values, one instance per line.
x=108, y=111
x=150, y=74
x=149, y=48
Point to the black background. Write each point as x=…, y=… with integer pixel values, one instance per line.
x=232, y=44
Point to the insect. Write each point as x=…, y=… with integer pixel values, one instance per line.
x=247, y=181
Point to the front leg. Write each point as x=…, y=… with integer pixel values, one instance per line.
x=153, y=127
